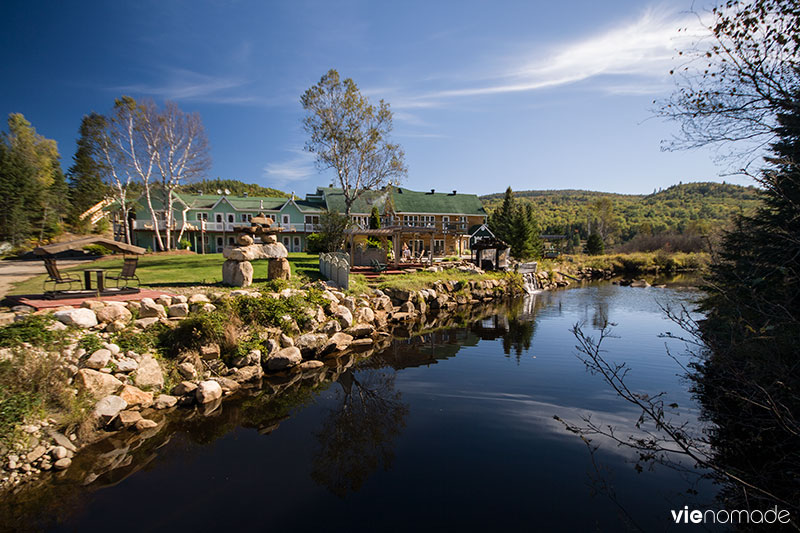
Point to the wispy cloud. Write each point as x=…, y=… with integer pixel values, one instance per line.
x=182, y=84
x=640, y=52
x=297, y=168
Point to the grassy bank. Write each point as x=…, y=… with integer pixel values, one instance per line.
x=633, y=263
x=182, y=270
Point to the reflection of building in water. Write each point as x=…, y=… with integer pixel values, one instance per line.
x=514, y=324
x=426, y=349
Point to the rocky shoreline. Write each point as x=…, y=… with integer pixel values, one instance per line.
x=135, y=393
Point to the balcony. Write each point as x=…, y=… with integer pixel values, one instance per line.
x=226, y=227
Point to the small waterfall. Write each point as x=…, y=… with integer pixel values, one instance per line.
x=530, y=282
x=529, y=279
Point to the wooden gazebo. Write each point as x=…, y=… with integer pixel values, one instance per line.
x=79, y=244
x=57, y=279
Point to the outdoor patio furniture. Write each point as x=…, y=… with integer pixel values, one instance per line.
x=99, y=274
x=56, y=278
x=377, y=266
x=128, y=272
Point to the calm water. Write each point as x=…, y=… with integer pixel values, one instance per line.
x=451, y=430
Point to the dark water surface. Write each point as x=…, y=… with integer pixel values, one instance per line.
x=450, y=430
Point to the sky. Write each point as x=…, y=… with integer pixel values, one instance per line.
x=485, y=94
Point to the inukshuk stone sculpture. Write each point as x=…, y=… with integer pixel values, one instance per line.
x=237, y=269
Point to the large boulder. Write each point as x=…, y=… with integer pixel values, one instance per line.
x=311, y=343
x=178, y=310
x=149, y=373
x=208, y=391
x=237, y=273
x=97, y=383
x=109, y=407
x=247, y=374
x=135, y=397
x=284, y=358
x=344, y=316
x=274, y=250
x=82, y=318
x=98, y=359
x=338, y=342
x=243, y=253
x=148, y=308
x=113, y=313
x=364, y=314
x=279, y=269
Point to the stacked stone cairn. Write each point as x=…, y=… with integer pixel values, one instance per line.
x=237, y=270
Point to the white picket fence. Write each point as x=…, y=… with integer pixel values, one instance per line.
x=335, y=266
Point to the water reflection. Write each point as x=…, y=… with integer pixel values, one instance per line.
x=357, y=435
x=457, y=409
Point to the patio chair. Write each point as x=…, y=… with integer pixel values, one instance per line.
x=377, y=266
x=56, y=278
x=128, y=273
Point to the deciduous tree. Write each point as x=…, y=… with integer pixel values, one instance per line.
x=351, y=136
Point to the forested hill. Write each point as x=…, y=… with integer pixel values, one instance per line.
x=689, y=206
x=236, y=188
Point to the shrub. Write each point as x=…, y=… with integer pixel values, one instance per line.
x=91, y=343
x=594, y=245
x=184, y=244
x=314, y=243
x=96, y=249
x=33, y=330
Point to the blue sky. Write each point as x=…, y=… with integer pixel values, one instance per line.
x=536, y=95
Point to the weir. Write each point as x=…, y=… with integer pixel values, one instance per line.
x=529, y=279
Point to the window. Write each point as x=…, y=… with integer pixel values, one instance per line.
x=219, y=241
x=246, y=217
x=219, y=217
x=438, y=247
x=286, y=241
x=202, y=216
x=285, y=220
x=230, y=241
x=312, y=219
x=230, y=217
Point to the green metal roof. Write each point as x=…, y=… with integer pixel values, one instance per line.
x=406, y=201
x=242, y=203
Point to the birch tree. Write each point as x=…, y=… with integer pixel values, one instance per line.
x=351, y=136
x=182, y=155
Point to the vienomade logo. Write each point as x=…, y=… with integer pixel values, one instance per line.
x=722, y=516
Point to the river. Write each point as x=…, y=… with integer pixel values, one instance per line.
x=450, y=430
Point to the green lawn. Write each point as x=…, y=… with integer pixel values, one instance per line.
x=157, y=270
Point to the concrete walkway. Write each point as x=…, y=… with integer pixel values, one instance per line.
x=14, y=271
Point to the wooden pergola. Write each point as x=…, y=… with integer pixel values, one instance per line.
x=396, y=233
x=78, y=244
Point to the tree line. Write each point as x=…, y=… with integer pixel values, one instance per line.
x=683, y=209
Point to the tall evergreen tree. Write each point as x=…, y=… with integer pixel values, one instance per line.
x=28, y=167
x=86, y=185
x=515, y=224
x=375, y=218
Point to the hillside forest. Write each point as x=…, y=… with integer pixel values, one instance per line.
x=635, y=222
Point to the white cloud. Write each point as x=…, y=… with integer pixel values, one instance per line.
x=182, y=84
x=297, y=168
x=640, y=52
